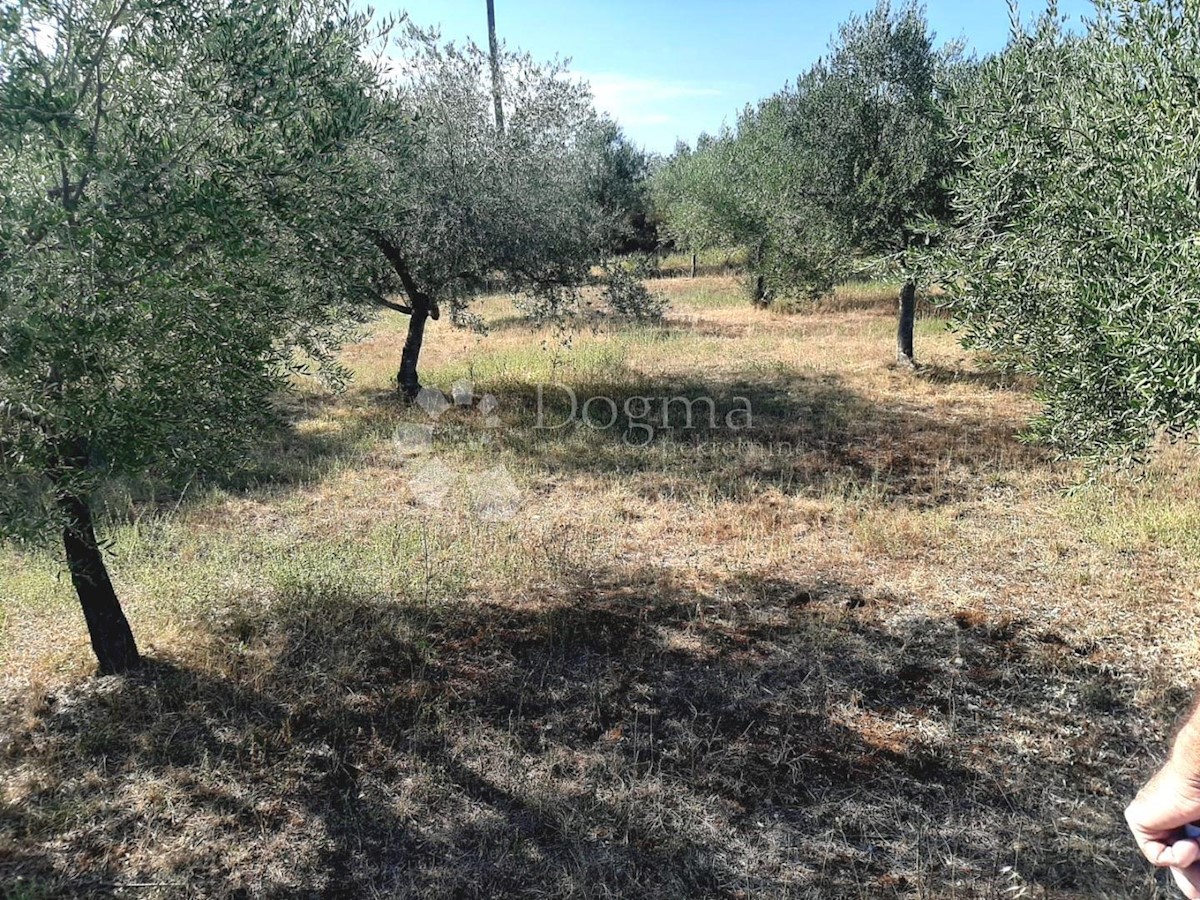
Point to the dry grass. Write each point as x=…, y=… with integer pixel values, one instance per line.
x=873, y=645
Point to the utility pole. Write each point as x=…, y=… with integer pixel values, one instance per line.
x=494, y=46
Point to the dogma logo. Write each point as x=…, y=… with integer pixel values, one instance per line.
x=644, y=417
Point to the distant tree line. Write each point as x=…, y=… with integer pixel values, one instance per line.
x=1051, y=192
x=834, y=172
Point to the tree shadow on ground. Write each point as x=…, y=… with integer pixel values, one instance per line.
x=724, y=438
x=315, y=434
x=734, y=438
x=991, y=379
x=623, y=735
x=299, y=449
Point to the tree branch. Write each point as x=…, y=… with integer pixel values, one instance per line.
x=383, y=301
x=22, y=413
x=421, y=302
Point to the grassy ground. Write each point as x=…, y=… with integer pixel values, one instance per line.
x=872, y=645
x=711, y=262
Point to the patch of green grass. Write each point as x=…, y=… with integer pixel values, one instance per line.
x=930, y=327
x=574, y=355
x=34, y=580
x=723, y=295
x=1140, y=511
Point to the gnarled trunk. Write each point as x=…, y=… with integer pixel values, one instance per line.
x=904, y=330
x=112, y=639
x=422, y=308
x=406, y=378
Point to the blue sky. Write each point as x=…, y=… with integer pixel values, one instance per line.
x=673, y=69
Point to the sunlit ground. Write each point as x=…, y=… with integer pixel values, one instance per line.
x=873, y=644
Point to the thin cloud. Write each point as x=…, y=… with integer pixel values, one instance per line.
x=642, y=101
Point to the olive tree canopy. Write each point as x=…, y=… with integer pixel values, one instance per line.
x=166, y=246
x=1074, y=253
x=477, y=208
x=842, y=166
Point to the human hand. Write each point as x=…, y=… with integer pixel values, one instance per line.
x=1161, y=818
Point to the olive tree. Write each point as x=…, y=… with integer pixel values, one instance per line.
x=715, y=195
x=844, y=165
x=870, y=140
x=622, y=190
x=795, y=250
x=687, y=193
x=165, y=245
x=1073, y=255
x=475, y=204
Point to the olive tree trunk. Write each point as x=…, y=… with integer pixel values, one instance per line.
x=406, y=378
x=758, y=281
x=112, y=639
x=421, y=309
x=904, y=330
